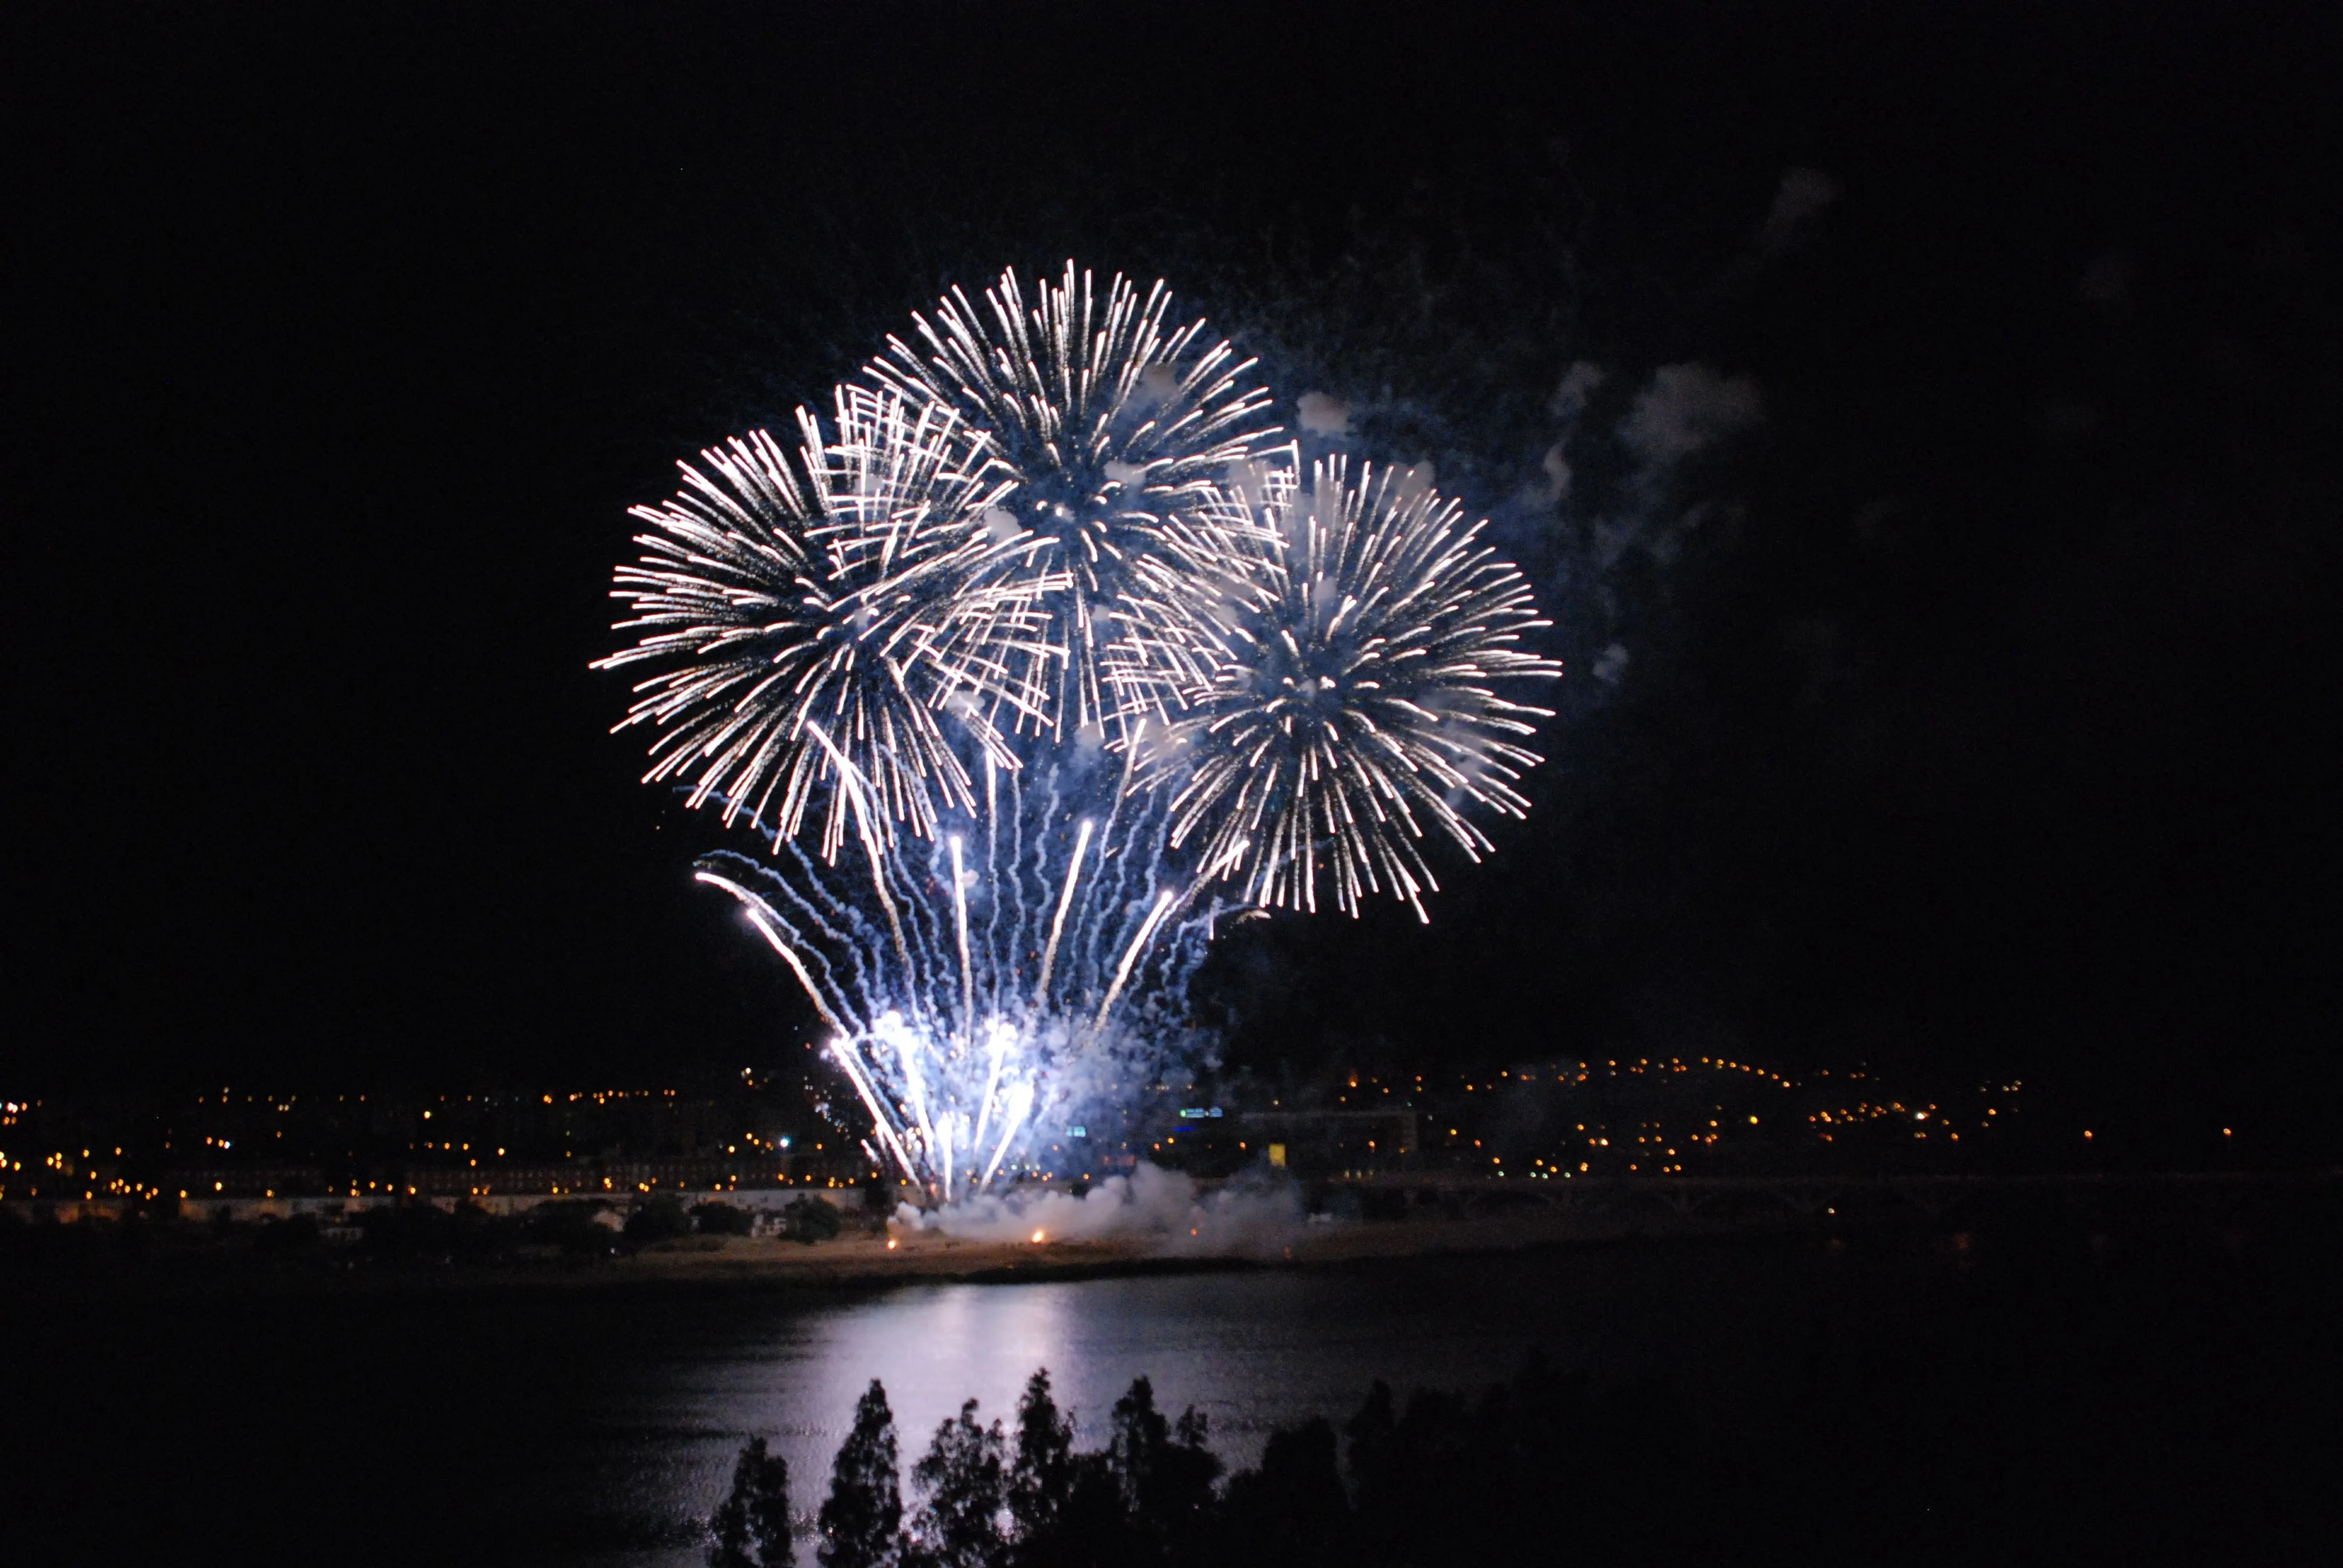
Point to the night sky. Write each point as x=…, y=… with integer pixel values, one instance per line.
x=1959, y=494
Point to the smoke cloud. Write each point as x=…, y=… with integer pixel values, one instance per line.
x=1163, y=1212
x=1320, y=414
x=1686, y=410
x=1800, y=198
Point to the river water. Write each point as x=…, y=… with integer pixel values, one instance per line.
x=596, y=1426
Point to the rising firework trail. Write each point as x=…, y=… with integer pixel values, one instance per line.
x=1033, y=665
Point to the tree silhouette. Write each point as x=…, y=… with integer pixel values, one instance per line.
x=1093, y=1526
x=963, y=1483
x=1531, y=1470
x=1292, y=1511
x=756, y=1514
x=1042, y=1478
x=863, y=1516
x=1373, y=1453
x=1164, y=1471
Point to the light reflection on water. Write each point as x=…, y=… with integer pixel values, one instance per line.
x=1251, y=1350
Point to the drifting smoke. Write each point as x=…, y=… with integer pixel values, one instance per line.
x=1798, y=201
x=1162, y=1210
x=1037, y=664
x=1685, y=410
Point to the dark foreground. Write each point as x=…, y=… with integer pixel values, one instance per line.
x=2034, y=1393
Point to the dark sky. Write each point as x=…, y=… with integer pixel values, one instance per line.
x=1977, y=688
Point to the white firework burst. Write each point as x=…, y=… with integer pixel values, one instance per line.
x=820, y=610
x=1353, y=701
x=1108, y=433
x=1054, y=525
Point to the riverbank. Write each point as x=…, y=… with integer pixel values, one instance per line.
x=136, y=1258
x=589, y=1413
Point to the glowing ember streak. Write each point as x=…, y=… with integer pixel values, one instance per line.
x=1129, y=955
x=879, y=1119
x=760, y=916
x=1058, y=921
x=893, y=1034
x=1020, y=1101
x=1003, y=1037
x=960, y=928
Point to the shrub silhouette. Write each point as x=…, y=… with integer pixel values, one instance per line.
x=720, y=1219
x=570, y=1226
x=809, y=1220
x=660, y=1219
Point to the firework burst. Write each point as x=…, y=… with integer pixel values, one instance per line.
x=1108, y=433
x=1353, y=700
x=1075, y=656
x=823, y=620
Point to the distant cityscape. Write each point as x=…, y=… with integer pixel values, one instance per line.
x=1674, y=1116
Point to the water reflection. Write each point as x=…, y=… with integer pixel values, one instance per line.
x=598, y=1425
x=1253, y=1351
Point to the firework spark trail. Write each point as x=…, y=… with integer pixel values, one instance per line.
x=1130, y=957
x=1003, y=1038
x=960, y=923
x=885, y=1124
x=762, y=916
x=904, y=1034
x=1057, y=546
x=1058, y=921
x=1020, y=1101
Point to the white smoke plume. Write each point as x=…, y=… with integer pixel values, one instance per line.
x=1686, y=410
x=1798, y=200
x=1321, y=413
x=1163, y=1212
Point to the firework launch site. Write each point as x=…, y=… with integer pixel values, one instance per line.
x=744, y=1176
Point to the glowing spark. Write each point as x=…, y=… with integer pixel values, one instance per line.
x=959, y=927
x=1003, y=1037
x=1021, y=1100
x=760, y=916
x=1129, y=955
x=893, y=1034
x=1058, y=921
x=879, y=1119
